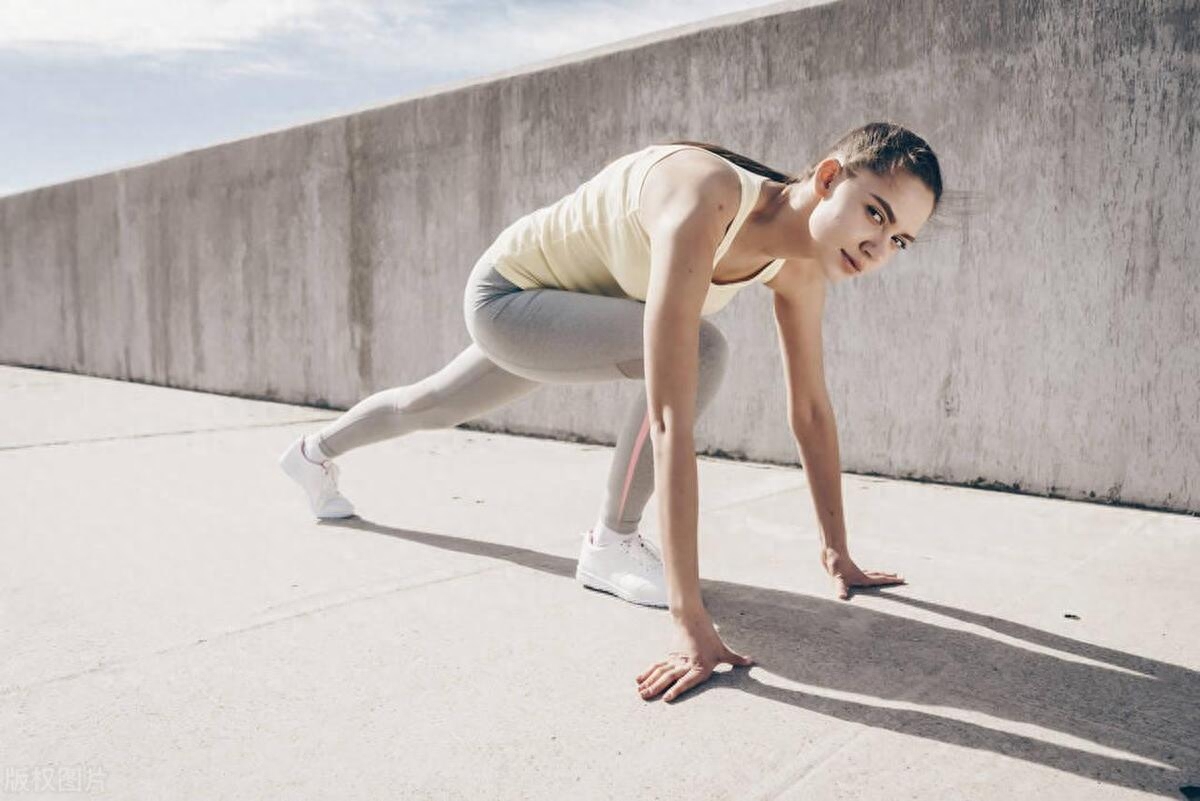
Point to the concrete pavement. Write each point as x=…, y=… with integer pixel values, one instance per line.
x=176, y=625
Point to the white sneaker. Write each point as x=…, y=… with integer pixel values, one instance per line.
x=319, y=482
x=631, y=570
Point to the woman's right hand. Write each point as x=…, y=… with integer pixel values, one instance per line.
x=698, y=650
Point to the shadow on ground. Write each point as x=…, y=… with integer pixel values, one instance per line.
x=1135, y=705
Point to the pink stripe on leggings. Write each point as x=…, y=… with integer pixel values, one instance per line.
x=633, y=458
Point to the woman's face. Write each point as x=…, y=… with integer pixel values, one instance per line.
x=866, y=218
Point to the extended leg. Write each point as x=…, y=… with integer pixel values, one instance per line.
x=469, y=386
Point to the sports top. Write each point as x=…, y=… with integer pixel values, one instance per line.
x=592, y=240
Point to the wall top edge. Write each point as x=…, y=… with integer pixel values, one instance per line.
x=721, y=21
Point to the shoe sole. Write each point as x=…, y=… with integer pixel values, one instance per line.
x=597, y=583
x=337, y=517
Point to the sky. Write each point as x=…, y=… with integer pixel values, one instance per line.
x=91, y=86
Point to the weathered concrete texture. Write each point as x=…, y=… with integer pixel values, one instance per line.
x=1044, y=341
x=174, y=618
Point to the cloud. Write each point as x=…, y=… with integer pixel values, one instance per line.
x=281, y=37
x=484, y=37
x=131, y=27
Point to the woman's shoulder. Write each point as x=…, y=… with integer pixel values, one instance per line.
x=694, y=156
x=680, y=165
x=689, y=175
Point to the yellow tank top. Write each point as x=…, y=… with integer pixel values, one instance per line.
x=592, y=240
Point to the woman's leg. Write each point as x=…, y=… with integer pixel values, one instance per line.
x=555, y=336
x=522, y=339
x=469, y=386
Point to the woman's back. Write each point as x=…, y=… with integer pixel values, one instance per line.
x=592, y=240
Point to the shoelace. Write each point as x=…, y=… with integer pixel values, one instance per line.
x=651, y=548
x=643, y=546
x=644, y=552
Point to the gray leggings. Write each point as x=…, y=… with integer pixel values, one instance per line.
x=523, y=339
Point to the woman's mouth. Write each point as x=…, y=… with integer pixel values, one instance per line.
x=851, y=266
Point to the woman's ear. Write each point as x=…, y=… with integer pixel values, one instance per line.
x=826, y=175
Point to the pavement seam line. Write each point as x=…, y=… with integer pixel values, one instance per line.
x=10, y=690
x=750, y=499
x=182, y=432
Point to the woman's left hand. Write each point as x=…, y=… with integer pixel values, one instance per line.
x=847, y=574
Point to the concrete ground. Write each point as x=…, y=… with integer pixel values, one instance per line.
x=175, y=624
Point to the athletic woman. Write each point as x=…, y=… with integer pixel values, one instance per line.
x=614, y=281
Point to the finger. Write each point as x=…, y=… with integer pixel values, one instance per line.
x=645, y=673
x=690, y=679
x=653, y=675
x=881, y=574
x=843, y=589
x=662, y=682
x=882, y=581
x=734, y=658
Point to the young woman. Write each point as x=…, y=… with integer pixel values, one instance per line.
x=613, y=282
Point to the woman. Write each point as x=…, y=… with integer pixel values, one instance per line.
x=613, y=282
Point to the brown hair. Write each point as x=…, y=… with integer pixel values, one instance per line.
x=881, y=147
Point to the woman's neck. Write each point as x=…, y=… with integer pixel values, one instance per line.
x=779, y=226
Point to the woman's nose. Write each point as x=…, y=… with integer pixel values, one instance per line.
x=873, y=249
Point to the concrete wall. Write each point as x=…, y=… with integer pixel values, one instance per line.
x=1045, y=340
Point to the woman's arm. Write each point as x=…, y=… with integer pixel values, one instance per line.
x=685, y=216
x=799, y=305
x=684, y=234
x=818, y=443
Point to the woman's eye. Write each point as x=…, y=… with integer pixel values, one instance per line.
x=875, y=213
x=900, y=243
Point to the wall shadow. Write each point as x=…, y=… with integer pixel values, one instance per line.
x=1140, y=706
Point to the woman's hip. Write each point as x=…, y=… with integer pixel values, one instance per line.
x=558, y=335
x=485, y=284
